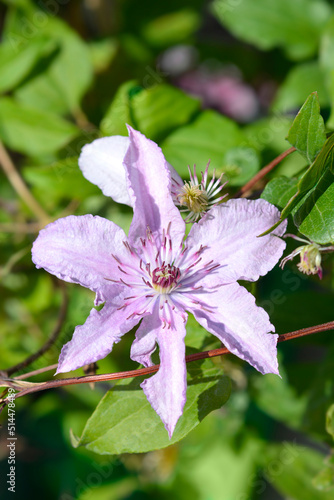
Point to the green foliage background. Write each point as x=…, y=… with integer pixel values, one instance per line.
x=72, y=71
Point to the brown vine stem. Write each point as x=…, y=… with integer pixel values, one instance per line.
x=263, y=172
x=18, y=184
x=51, y=339
x=152, y=369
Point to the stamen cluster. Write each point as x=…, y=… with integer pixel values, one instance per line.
x=154, y=271
x=165, y=277
x=197, y=196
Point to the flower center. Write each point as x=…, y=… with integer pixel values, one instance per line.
x=165, y=277
x=193, y=197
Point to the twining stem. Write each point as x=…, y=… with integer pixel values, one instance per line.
x=152, y=369
x=263, y=172
x=18, y=184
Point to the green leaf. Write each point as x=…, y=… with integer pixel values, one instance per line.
x=118, y=489
x=312, y=204
x=307, y=133
x=315, y=217
x=240, y=165
x=311, y=176
x=294, y=26
x=291, y=469
x=102, y=53
x=270, y=389
x=16, y=65
x=280, y=190
x=124, y=421
x=330, y=420
x=62, y=84
x=324, y=160
x=327, y=64
x=324, y=481
x=160, y=109
x=31, y=131
x=301, y=81
x=209, y=137
x=118, y=114
x=171, y=28
x=268, y=133
x=61, y=180
x=154, y=111
x=137, y=51
x=202, y=468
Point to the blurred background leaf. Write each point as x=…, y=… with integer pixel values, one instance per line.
x=220, y=81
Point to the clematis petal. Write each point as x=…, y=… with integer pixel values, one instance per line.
x=232, y=315
x=145, y=342
x=101, y=162
x=166, y=390
x=176, y=179
x=149, y=183
x=79, y=250
x=230, y=231
x=95, y=338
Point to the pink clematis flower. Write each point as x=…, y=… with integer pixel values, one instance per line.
x=156, y=276
x=102, y=163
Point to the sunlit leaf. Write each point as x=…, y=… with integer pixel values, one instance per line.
x=315, y=217
x=31, y=131
x=294, y=26
x=171, y=28
x=158, y=110
x=15, y=65
x=124, y=421
x=119, y=112
x=63, y=82
x=312, y=204
x=240, y=165
x=330, y=421
x=58, y=181
x=279, y=191
x=209, y=137
x=327, y=64
x=307, y=133
x=291, y=469
x=300, y=82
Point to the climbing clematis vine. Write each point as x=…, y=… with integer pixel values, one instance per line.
x=102, y=163
x=157, y=276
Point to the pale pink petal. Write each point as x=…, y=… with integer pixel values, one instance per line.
x=174, y=175
x=231, y=230
x=149, y=187
x=94, y=339
x=166, y=390
x=101, y=163
x=79, y=250
x=145, y=342
x=231, y=314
